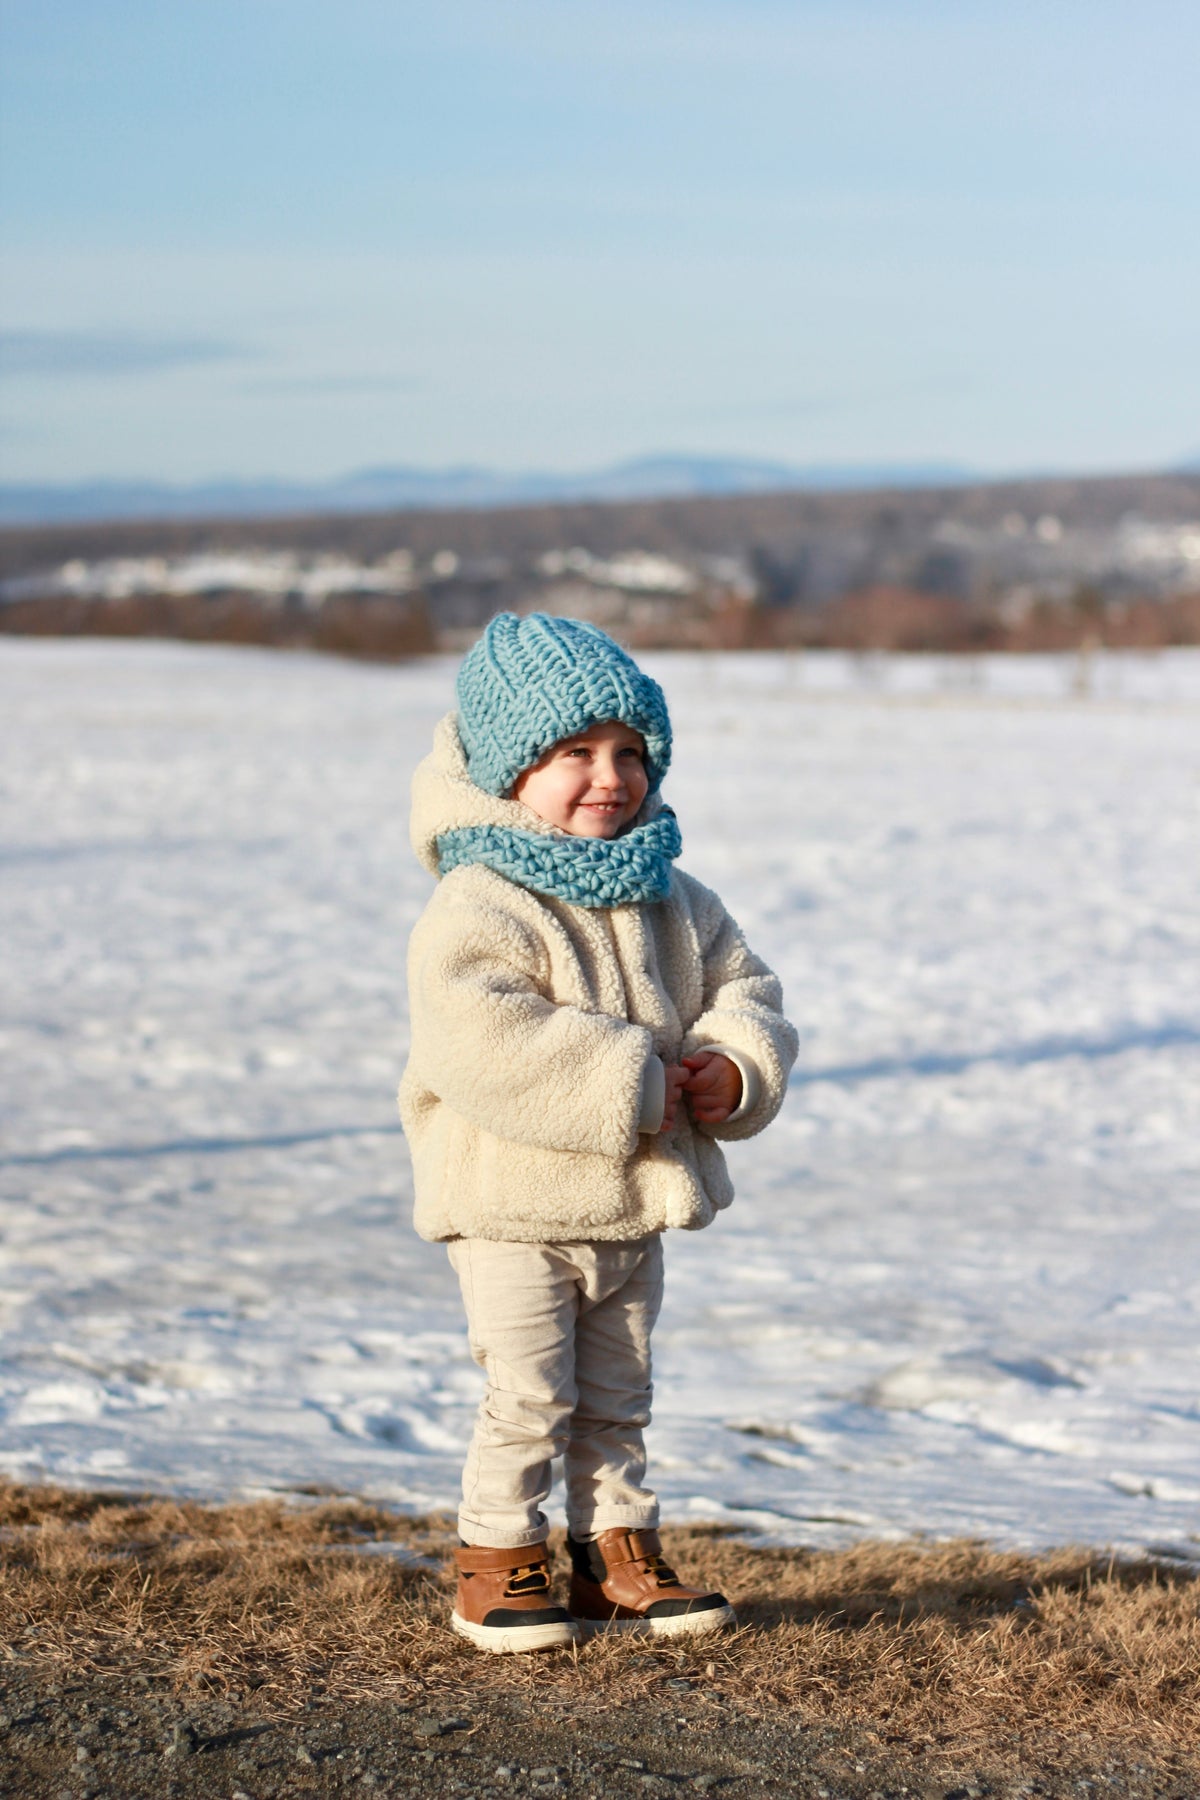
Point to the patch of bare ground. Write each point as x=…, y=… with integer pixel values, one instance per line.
x=153, y=1647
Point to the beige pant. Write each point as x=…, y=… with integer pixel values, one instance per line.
x=563, y=1331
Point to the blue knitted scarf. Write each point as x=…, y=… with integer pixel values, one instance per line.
x=620, y=871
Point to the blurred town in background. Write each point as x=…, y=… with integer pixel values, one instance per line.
x=1046, y=564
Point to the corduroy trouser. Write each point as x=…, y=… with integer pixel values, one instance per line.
x=563, y=1333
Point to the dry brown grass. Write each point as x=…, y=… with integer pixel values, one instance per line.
x=919, y=1643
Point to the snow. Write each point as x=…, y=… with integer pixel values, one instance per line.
x=274, y=574
x=637, y=571
x=959, y=1290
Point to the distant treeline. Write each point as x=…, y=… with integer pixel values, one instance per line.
x=776, y=523
x=1027, y=565
x=389, y=628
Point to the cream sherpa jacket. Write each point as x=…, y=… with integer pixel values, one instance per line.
x=536, y=1026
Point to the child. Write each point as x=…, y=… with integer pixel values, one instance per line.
x=586, y=1022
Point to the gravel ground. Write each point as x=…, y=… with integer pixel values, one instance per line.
x=130, y=1736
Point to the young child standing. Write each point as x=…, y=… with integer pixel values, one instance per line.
x=587, y=1022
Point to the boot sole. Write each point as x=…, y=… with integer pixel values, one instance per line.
x=698, y=1624
x=510, y=1640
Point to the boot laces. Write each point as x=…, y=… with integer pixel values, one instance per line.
x=533, y=1579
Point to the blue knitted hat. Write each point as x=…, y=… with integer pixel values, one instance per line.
x=530, y=682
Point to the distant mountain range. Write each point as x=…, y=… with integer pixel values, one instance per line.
x=386, y=489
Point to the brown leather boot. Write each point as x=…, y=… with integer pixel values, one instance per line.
x=503, y=1602
x=621, y=1583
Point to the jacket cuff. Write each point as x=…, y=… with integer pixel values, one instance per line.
x=751, y=1079
x=654, y=1096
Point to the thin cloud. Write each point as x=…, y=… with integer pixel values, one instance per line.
x=844, y=400
x=332, y=384
x=107, y=353
x=19, y=431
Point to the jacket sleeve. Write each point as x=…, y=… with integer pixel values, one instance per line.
x=487, y=1041
x=742, y=1015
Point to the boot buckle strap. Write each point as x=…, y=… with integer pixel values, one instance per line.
x=662, y=1571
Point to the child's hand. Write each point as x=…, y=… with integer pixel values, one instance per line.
x=713, y=1085
x=677, y=1079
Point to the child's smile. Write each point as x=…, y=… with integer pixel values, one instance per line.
x=590, y=785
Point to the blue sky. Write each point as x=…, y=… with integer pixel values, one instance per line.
x=275, y=237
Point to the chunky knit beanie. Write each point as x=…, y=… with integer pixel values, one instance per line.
x=530, y=682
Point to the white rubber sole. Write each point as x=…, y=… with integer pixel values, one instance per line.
x=697, y=1624
x=514, y=1640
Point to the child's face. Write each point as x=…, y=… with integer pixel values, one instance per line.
x=590, y=785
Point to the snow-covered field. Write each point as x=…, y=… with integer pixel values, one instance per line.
x=960, y=1288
